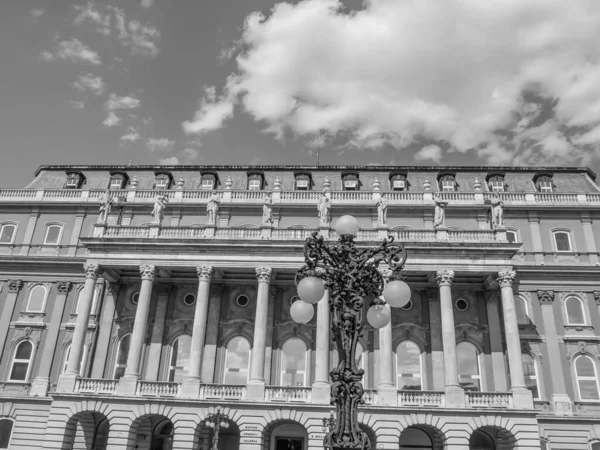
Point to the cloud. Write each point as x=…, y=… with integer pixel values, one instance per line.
x=115, y=103
x=141, y=39
x=111, y=120
x=171, y=161
x=460, y=72
x=46, y=56
x=89, y=13
x=189, y=153
x=37, y=13
x=75, y=51
x=131, y=136
x=77, y=104
x=147, y=3
x=87, y=81
x=432, y=152
x=159, y=144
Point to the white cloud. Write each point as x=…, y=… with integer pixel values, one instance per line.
x=89, y=13
x=115, y=103
x=87, y=81
x=189, y=153
x=141, y=39
x=77, y=104
x=37, y=13
x=431, y=152
x=131, y=136
x=46, y=56
x=397, y=72
x=170, y=161
x=159, y=144
x=111, y=120
x=75, y=51
x=147, y=3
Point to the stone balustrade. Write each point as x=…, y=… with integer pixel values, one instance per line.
x=222, y=392
x=288, y=394
x=422, y=398
x=95, y=386
x=489, y=399
x=158, y=388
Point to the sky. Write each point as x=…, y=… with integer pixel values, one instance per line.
x=427, y=82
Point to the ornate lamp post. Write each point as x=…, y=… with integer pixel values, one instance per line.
x=351, y=276
x=216, y=421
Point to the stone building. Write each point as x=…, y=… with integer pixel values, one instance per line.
x=136, y=300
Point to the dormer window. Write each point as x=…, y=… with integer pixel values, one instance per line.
x=398, y=182
x=303, y=181
x=255, y=181
x=543, y=182
x=350, y=181
x=495, y=182
x=74, y=180
x=208, y=181
x=447, y=182
x=118, y=180
x=163, y=180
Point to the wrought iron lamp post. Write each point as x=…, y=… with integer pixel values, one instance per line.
x=350, y=275
x=216, y=421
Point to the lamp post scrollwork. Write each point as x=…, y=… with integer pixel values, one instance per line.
x=216, y=421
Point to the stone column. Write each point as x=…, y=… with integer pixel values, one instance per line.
x=521, y=395
x=39, y=387
x=560, y=399
x=66, y=381
x=588, y=233
x=14, y=286
x=28, y=237
x=211, y=340
x=496, y=347
x=536, y=238
x=388, y=394
x=437, y=345
x=158, y=329
x=320, y=388
x=455, y=396
x=128, y=383
x=191, y=383
x=105, y=327
x=256, y=382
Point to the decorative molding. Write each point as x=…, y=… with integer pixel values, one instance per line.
x=387, y=275
x=532, y=348
x=205, y=273
x=545, y=297
x=444, y=277
x=112, y=288
x=14, y=285
x=597, y=297
x=64, y=287
x=471, y=333
x=264, y=274
x=506, y=278
x=410, y=332
x=148, y=272
x=581, y=348
x=92, y=270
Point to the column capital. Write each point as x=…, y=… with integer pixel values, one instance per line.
x=64, y=287
x=264, y=274
x=148, y=272
x=14, y=285
x=597, y=297
x=92, y=270
x=545, y=297
x=111, y=288
x=444, y=277
x=506, y=278
x=205, y=273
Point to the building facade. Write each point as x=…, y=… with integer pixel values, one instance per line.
x=137, y=300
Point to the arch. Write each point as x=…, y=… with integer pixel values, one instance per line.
x=586, y=377
x=283, y=434
x=419, y=437
x=294, y=364
x=155, y=428
x=574, y=310
x=121, y=356
x=179, y=357
x=248, y=225
x=594, y=445
x=427, y=423
x=86, y=429
x=22, y=360
x=95, y=298
x=469, y=372
x=8, y=232
x=409, y=366
x=370, y=435
x=512, y=235
x=54, y=232
x=236, y=361
x=490, y=437
x=6, y=429
x=36, y=301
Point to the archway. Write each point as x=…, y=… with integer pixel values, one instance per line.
x=151, y=432
x=285, y=435
x=85, y=430
x=491, y=438
x=229, y=437
x=370, y=434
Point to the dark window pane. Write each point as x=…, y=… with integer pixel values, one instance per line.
x=36, y=299
x=575, y=311
x=588, y=390
x=511, y=236
x=19, y=371
x=563, y=243
x=521, y=311
x=6, y=427
x=52, y=235
x=24, y=350
x=123, y=350
x=585, y=367
x=7, y=234
x=119, y=372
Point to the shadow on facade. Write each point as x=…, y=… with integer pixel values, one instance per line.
x=86, y=430
x=151, y=432
x=229, y=438
x=492, y=438
x=423, y=437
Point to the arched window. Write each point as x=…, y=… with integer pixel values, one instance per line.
x=7, y=235
x=562, y=241
x=53, y=234
x=468, y=366
x=67, y=355
x=293, y=363
x=121, y=359
x=180, y=357
x=6, y=427
x=237, y=358
x=587, y=380
x=37, y=299
x=408, y=366
x=522, y=312
x=415, y=439
x=93, y=311
x=595, y=445
x=531, y=374
x=574, y=307
x=21, y=362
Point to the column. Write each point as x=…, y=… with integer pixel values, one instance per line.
x=536, y=238
x=588, y=234
x=521, y=395
x=437, y=345
x=320, y=388
x=128, y=383
x=191, y=383
x=39, y=387
x=211, y=340
x=66, y=381
x=560, y=399
x=158, y=329
x=77, y=226
x=387, y=388
x=105, y=327
x=28, y=238
x=256, y=381
x=455, y=396
x=14, y=286
x=496, y=347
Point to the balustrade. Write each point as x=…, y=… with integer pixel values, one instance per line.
x=291, y=233
x=555, y=198
x=470, y=235
x=95, y=386
x=300, y=196
x=288, y=394
x=238, y=233
x=489, y=399
x=370, y=397
x=222, y=392
x=421, y=398
x=158, y=388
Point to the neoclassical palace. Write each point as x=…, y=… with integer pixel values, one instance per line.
x=136, y=301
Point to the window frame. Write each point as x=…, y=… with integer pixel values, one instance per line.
x=67, y=354
x=163, y=176
x=13, y=360
x=350, y=181
x=95, y=299
x=420, y=364
x=306, y=362
x=171, y=369
x=535, y=377
x=568, y=232
x=30, y=291
x=522, y=299
x=225, y=369
x=582, y=307
x=15, y=226
x=12, y=429
x=116, y=365
x=478, y=354
x=586, y=378
x=255, y=177
x=540, y=178
x=210, y=177
x=60, y=233
x=74, y=175
x=515, y=232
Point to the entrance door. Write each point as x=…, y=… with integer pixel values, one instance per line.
x=283, y=443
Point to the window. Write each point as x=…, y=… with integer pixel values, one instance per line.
x=189, y=299
x=461, y=304
x=162, y=183
x=53, y=234
x=495, y=182
x=121, y=359
x=242, y=301
x=511, y=236
x=447, y=182
x=118, y=180
x=408, y=366
x=545, y=186
x=521, y=308
x=531, y=376
x=350, y=181
x=399, y=185
x=7, y=233
x=293, y=363
x=93, y=310
x=180, y=358
x=562, y=241
x=67, y=356
x=74, y=180
x=468, y=366
x=21, y=362
x=415, y=439
x=543, y=182
x=208, y=181
x=448, y=185
x=37, y=299
x=398, y=181
x=587, y=381
x=163, y=180
x=254, y=184
x=6, y=427
x=575, y=315
x=135, y=298
x=303, y=181
x=237, y=358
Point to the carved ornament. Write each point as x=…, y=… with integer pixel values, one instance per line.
x=205, y=273
x=92, y=270
x=545, y=297
x=64, y=287
x=444, y=277
x=148, y=272
x=14, y=285
x=263, y=274
x=506, y=278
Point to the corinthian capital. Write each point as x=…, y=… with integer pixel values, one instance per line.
x=444, y=277
x=545, y=297
x=92, y=270
x=505, y=278
x=148, y=272
x=205, y=273
x=64, y=287
x=14, y=285
x=263, y=274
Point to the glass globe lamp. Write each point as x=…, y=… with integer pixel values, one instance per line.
x=346, y=225
x=378, y=316
x=301, y=311
x=311, y=290
x=396, y=293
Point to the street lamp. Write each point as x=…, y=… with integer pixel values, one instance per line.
x=350, y=275
x=216, y=421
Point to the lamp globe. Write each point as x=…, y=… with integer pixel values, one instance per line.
x=378, y=316
x=311, y=290
x=396, y=293
x=301, y=311
x=346, y=225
